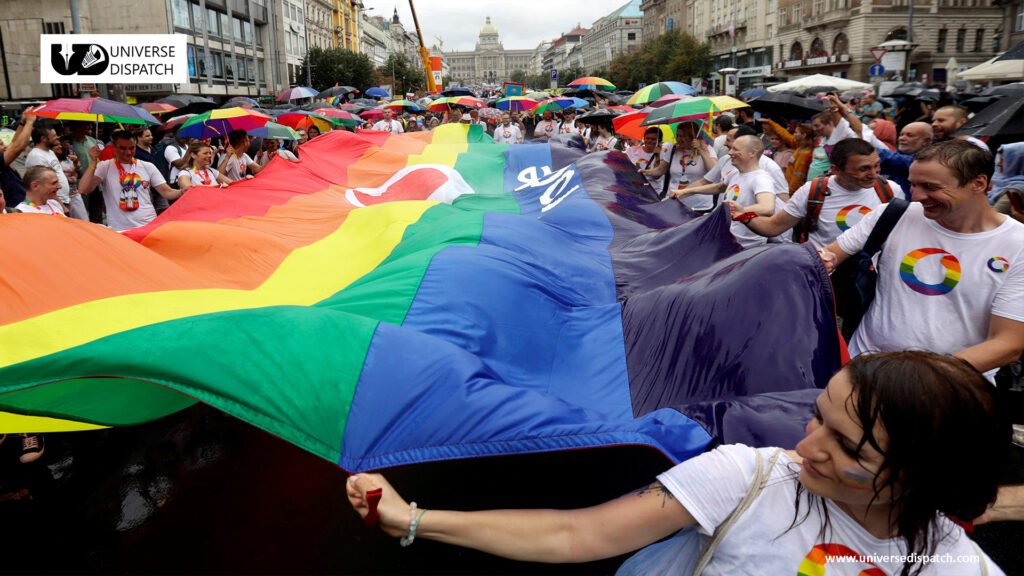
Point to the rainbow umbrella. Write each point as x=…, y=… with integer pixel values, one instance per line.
x=516, y=104
x=93, y=110
x=701, y=108
x=629, y=125
x=561, y=103
x=404, y=106
x=445, y=103
x=592, y=82
x=176, y=121
x=668, y=99
x=649, y=94
x=303, y=120
x=296, y=93
x=340, y=117
x=274, y=131
x=219, y=122
x=155, y=108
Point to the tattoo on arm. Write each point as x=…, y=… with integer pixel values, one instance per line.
x=658, y=489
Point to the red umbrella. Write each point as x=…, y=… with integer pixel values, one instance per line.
x=668, y=99
x=340, y=116
x=372, y=114
x=155, y=108
x=176, y=121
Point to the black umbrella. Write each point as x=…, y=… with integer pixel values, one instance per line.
x=599, y=116
x=908, y=89
x=928, y=95
x=336, y=91
x=188, y=104
x=786, y=105
x=1005, y=121
x=979, y=103
x=459, y=91
x=366, y=102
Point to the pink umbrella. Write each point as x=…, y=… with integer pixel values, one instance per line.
x=372, y=114
x=668, y=99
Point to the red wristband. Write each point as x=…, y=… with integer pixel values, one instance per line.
x=745, y=217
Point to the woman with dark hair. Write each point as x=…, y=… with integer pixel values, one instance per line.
x=900, y=442
x=605, y=139
x=687, y=161
x=201, y=173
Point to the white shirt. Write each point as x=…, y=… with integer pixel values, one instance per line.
x=937, y=288
x=645, y=160
x=144, y=176
x=711, y=485
x=842, y=131
x=841, y=210
x=196, y=176
x=233, y=167
x=724, y=168
x=52, y=207
x=393, y=126
x=39, y=157
x=743, y=188
x=507, y=134
x=173, y=153
x=688, y=166
x=545, y=128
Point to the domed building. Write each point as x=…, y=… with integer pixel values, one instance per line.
x=489, y=63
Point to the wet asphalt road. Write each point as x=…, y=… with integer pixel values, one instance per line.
x=201, y=493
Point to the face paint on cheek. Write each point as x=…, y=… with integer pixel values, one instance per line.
x=858, y=478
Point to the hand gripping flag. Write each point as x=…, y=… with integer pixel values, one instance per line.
x=394, y=299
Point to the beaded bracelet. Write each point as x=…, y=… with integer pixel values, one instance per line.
x=414, y=522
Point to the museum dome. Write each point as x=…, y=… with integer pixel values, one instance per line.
x=488, y=28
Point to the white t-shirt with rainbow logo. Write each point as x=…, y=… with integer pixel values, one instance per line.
x=937, y=289
x=743, y=188
x=841, y=211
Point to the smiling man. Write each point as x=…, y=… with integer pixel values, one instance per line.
x=951, y=274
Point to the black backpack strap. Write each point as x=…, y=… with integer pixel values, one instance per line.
x=668, y=173
x=886, y=222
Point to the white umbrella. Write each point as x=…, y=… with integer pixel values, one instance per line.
x=995, y=70
x=819, y=80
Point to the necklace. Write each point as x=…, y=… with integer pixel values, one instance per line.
x=204, y=177
x=130, y=182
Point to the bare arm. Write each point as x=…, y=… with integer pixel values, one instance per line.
x=555, y=536
x=855, y=124
x=764, y=206
x=768, y=227
x=832, y=256
x=1009, y=506
x=20, y=140
x=168, y=192
x=706, y=189
x=254, y=167
x=1004, y=344
x=89, y=179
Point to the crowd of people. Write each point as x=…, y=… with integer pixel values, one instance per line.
x=943, y=213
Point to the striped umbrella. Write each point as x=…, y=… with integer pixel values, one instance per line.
x=516, y=104
x=93, y=110
x=156, y=108
x=668, y=99
x=701, y=108
x=339, y=117
x=446, y=103
x=303, y=120
x=404, y=106
x=561, y=103
x=649, y=94
x=176, y=121
x=629, y=125
x=295, y=93
x=592, y=82
x=218, y=123
x=275, y=131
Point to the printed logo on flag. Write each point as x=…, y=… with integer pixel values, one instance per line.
x=113, y=58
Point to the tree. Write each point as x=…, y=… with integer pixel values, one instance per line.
x=569, y=74
x=333, y=66
x=518, y=76
x=406, y=77
x=674, y=55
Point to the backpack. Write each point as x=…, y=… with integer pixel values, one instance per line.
x=161, y=163
x=816, y=198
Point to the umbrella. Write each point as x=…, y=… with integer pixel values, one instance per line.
x=295, y=93
x=425, y=101
x=446, y=103
x=1004, y=121
x=592, y=82
x=854, y=93
x=367, y=102
x=538, y=96
x=274, y=131
x=377, y=92
x=1008, y=66
x=516, y=104
x=491, y=113
x=341, y=117
x=242, y=102
x=629, y=125
x=93, y=110
x=786, y=105
x=458, y=91
x=908, y=89
x=929, y=95
x=404, y=106
x=819, y=82
x=700, y=108
x=219, y=122
x=752, y=93
x=556, y=104
x=188, y=104
x=155, y=108
x=649, y=94
x=303, y=120
x=668, y=99
x=599, y=116
x=336, y=91
x=176, y=121
x=372, y=114
x=976, y=104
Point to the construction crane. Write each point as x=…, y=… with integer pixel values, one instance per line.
x=424, y=54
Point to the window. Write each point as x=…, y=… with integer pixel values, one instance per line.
x=897, y=34
x=229, y=67
x=197, y=19
x=796, y=51
x=247, y=33
x=193, y=70
x=53, y=27
x=818, y=48
x=979, y=40
x=783, y=16
x=961, y=37
x=819, y=7
x=940, y=46
x=179, y=9
x=841, y=45
x=1020, y=19
x=631, y=36
x=225, y=24
x=211, y=22
x=236, y=29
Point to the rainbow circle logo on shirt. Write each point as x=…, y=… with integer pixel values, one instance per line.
x=949, y=262
x=132, y=181
x=855, y=208
x=814, y=563
x=998, y=264
x=733, y=193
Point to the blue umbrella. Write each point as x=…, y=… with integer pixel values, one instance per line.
x=753, y=93
x=377, y=92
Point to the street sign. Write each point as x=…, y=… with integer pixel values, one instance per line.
x=554, y=75
x=876, y=70
x=878, y=52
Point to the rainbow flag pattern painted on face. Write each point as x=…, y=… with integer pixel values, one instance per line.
x=841, y=217
x=949, y=262
x=394, y=299
x=817, y=559
x=998, y=264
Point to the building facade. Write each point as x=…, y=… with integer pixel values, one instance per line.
x=740, y=35
x=1011, y=32
x=489, y=62
x=835, y=36
x=561, y=55
x=661, y=16
x=620, y=32
x=346, y=24
x=374, y=42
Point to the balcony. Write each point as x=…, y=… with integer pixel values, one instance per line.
x=830, y=17
x=814, y=62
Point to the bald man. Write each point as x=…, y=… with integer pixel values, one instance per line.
x=749, y=187
x=948, y=120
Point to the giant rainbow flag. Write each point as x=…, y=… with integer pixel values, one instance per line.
x=394, y=299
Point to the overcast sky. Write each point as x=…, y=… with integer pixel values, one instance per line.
x=521, y=24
